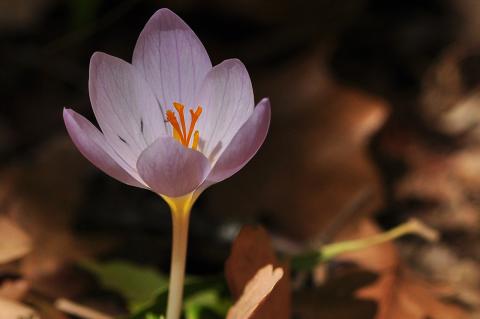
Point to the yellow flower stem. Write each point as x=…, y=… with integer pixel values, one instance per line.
x=180, y=208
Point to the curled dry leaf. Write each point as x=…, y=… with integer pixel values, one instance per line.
x=11, y=309
x=14, y=242
x=251, y=251
x=255, y=292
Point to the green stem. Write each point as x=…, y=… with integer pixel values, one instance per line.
x=330, y=251
x=180, y=208
x=411, y=227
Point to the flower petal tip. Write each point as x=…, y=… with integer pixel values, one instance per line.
x=67, y=114
x=164, y=11
x=244, y=145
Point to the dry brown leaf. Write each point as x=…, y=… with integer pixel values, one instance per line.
x=251, y=251
x=450, y=96
x=399, y=293
x=440, y=263
x=441, y=181
x=11, y=309
x=14, y=242
x=14, y=289
x=445, y=180
x=43, y=203
x=255, y=292
x=335, y=298
x=402, y=295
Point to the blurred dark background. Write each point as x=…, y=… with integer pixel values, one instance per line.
x=376, y=106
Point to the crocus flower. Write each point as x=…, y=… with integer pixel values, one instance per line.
x=171, y=123
x=147, y=137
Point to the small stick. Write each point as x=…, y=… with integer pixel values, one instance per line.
x=75, y=309
x=358, y=202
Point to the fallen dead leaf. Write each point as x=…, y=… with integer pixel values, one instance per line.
x=43, y=202
x=14, y=289
x=335, y=298
x=11, y=309
x=399, y=293
x=440, y=263
x=14, y=242
x=402, y=295
x=444, y=180
x=449, y=98
x=255, y=292
x=251, y=251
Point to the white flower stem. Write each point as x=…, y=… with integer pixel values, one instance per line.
x=180, y=208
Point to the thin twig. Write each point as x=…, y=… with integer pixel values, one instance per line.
x=359, y=201
x=75, y=309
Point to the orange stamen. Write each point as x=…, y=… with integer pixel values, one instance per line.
x=196, y=138
x=194, y=117
x=179, y=107
x=180, y=130
x=177, y=131
x=177, y=136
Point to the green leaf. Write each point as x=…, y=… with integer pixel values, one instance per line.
x=146, y=290
x=139, y=285
x=210, y=300
x=200, y=294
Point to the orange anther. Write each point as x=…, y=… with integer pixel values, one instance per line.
x=194, y=117
x=179, y=107
x=196, y=138
x=176, y=128
x=180, y=130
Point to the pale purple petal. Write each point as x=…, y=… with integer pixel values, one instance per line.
x=171, y=169
x=243, y=146
x=227, y=100
x=124, y=105
x=94, y=146
x=171, y=58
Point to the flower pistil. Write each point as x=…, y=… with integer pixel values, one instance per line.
x=180, y=129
